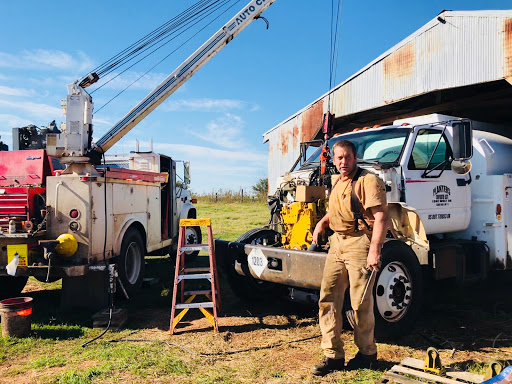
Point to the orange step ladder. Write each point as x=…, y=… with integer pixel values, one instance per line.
x=207, y=273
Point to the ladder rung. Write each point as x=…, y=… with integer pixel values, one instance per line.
x=205, y=292
x=197, y=269
x=195, y=247
x=204, y=222
x=195, y=305
x=197, y=276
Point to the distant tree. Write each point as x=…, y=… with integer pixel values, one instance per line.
x=261, y=187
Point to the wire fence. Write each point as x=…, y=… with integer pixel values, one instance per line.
x=230, y=196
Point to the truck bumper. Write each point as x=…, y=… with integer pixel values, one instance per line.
x=34, y=267
x=300, y=269
x=55, y=271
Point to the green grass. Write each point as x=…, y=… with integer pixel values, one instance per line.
x=53, y=354
x=230, y=220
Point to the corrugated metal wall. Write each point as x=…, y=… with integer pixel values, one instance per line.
x=453, y=50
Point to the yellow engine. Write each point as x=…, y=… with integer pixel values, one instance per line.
x=298, y=223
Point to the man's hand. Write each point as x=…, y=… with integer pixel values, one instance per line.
x=380, y=228
x=320, y=227
x=373, y=261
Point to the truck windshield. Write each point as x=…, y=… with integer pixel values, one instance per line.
x=383, y=146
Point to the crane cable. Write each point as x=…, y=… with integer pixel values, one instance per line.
x=163, y=59
x=325, y=155
x=135, y=47
x=161, y=36
x=335, y=38
x=196, y=13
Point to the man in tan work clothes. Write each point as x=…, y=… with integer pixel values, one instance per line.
x=354, y=251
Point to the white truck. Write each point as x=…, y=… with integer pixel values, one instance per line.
x=85, y=215
x=449, y=217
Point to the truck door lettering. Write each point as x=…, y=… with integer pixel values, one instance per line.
x=441, y=196
x=439, y=216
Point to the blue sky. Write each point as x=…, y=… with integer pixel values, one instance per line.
x=217, y=118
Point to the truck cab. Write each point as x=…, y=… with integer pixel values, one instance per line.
x=448, y=215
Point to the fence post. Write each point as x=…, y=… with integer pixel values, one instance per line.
x=242, y=195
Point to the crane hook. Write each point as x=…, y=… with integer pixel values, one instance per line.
x=261, y=17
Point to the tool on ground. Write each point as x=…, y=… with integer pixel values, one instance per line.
x=182, y=274
x=411, y=371
x=373, y=273
x=433, y=362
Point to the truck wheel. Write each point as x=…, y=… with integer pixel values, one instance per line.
x=11, y=286
x=192, y=236
x=398, y=291
x=131, y=261
x=247, y=287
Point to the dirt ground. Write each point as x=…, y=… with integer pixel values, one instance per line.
x=277, y=341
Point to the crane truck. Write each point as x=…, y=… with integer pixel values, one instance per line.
x=70, y=223
x=450, y=217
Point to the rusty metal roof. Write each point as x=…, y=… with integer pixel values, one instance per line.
x=459, y=64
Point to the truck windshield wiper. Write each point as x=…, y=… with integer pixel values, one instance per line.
x=362, y=161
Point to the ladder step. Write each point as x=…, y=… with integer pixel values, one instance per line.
x=194, y=305
x=195, y=247
x=197, y=276
x=200, y=222
x=204, y=292
x=196, y=269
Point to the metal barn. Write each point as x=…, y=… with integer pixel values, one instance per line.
x=459, y=64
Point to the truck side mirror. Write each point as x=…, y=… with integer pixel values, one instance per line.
x=461, y=167
x=186, y=172
x=462, y=140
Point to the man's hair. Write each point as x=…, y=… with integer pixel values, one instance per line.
x=345, y=144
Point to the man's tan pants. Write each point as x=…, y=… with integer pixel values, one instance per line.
x=347, y=256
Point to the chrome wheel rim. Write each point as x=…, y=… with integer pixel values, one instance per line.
x=393, y=292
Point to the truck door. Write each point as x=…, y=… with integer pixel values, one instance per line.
x=441, y=197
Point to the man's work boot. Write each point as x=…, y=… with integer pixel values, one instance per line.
x=328, y=365
x=361, y=361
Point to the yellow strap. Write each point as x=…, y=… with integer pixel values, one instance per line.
x=183, y=311
x=208, y=315
x=205, y=222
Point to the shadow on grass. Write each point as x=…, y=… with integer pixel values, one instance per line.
x=57, y=332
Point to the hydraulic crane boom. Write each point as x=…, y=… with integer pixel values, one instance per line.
x=78, y=106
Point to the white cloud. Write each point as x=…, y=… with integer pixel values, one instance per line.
x=35, y=110
x=12, y=121
x=43, y=58
x=211, y=169
x=206, y=154
x=225, y=131
x=17, y=91
x=208, y=105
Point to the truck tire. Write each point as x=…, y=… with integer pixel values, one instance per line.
x=11, y=286
x=192, y=236
x=247, y=287
x=398, y=291
x=131, y=263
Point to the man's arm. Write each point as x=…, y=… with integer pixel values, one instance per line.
x=320, y=227
x=380, y=228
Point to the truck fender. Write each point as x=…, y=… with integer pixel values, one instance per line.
x=406, y=226
x=128, y=224
x=188, y=211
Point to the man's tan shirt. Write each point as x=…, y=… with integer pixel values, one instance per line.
x=371, y=192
